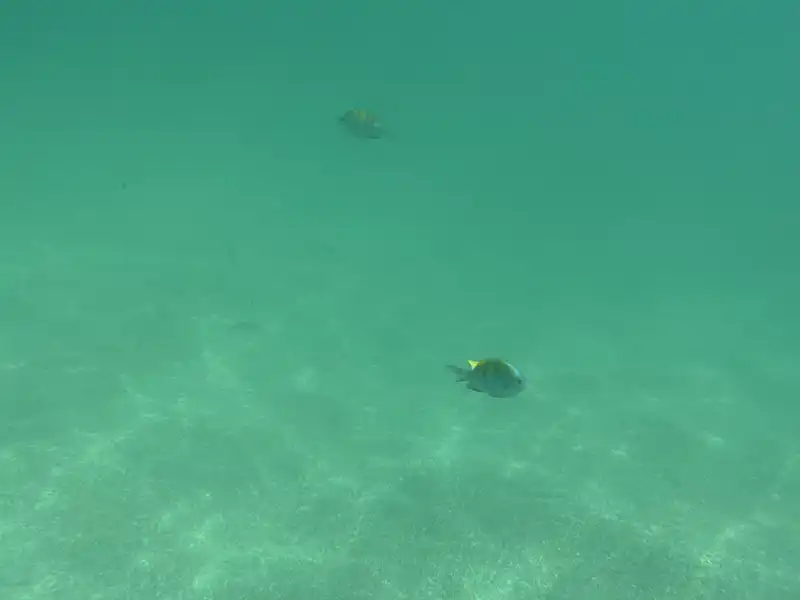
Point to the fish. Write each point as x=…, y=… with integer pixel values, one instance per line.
x=492, y=376
x=363, y=123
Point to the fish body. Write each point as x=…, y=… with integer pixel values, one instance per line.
x=363, y=123
x=492, y=376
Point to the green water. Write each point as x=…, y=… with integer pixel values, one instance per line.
x=224, y=322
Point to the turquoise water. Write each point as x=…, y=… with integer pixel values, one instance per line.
x=224, y=323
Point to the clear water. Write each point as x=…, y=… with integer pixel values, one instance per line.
x=224, y=322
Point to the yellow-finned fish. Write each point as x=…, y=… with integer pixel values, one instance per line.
x=363, y=123
x=492, y=376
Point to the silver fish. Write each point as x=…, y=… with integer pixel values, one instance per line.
x=363, y=123
x=492, y=376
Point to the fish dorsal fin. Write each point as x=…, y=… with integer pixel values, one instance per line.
x=474, y=363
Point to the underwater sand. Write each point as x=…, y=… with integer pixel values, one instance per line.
x=224, y=325
x=173, y=428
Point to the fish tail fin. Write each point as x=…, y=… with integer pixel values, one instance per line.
x=461, y=374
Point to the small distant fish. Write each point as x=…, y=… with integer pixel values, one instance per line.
x=245, y=327
x=492, y=376
x=363, y=123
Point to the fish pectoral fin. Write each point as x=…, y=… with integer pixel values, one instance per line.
x=471, y=386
